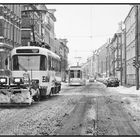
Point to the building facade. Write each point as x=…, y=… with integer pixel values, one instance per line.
x=51, y=22
x=10, y=30
x=124, y=68
x=102, y=60
x=130, y=27
x=45, y=25
x=31, y=25
x=63, y=51
x=116, y=45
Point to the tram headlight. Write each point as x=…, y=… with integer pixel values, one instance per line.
x=17, y=81
x=3, y=80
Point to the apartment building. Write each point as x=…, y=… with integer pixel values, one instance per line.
x=115, y=47
x=63, y=51
x=45, y=25
x=96, y=63
x=31, y=25
x=102, y=60
x=124, y=76
x=51, y=21
x=130, y=26
x=10, y=30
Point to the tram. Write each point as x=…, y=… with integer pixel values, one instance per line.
x=76, y=76
x=35, y=68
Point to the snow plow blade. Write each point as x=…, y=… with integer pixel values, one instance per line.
x=15, y=97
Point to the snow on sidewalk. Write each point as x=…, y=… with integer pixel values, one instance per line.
x=125, y=90
x=64, y=84
x=131, y=102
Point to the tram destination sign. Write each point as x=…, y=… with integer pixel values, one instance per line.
x=27, y=51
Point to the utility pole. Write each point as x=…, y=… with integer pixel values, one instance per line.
x=106, y=66
x=125, y=80
x=109, y=58
x=120, y=48
x=137, y=49
x=121, y=70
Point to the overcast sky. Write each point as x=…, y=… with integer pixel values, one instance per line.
x=87, y=27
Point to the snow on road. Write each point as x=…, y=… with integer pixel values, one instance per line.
x=74, y=111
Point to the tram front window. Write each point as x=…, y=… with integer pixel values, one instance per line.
x=78, y=74
x=32, y=62
x=72, y=74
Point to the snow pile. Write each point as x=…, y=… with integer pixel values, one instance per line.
x=4, y=96
x=34, y=92
x=125, y=90
x=131, y=102
x=23, y=97
x=63, y=84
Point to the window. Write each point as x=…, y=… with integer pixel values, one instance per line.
x=30, y=62
x=78, y=73
x=49, y=62
x=43, y=62
x=71, y=73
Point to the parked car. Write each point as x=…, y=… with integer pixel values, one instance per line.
x=112, y=82
x=91, y=79
x=105, y=80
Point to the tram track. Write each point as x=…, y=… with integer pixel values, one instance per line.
x=111, y=118
x=91, y=111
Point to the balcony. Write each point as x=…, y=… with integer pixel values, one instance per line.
x=48, y=26
x=118, y=68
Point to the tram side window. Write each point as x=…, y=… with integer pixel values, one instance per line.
x=59, y=66
x=43, y=62
x=78, y=74
x=15, y=63
x=53, y=64
x=72, y=73
x=49, y=62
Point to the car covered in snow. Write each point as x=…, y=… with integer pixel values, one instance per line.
x=91, y=79
x=112, y=82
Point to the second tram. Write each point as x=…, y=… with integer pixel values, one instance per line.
x=76, y=76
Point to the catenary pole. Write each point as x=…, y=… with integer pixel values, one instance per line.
x=137, y=49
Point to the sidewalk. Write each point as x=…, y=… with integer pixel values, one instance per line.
x=125, y=90
x=64, y=84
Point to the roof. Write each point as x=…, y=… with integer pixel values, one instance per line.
x=43, y=50
x=129, y=13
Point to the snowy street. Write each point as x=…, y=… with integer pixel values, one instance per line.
x=93, y=109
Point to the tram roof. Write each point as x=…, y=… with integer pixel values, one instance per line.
x=41, y=50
